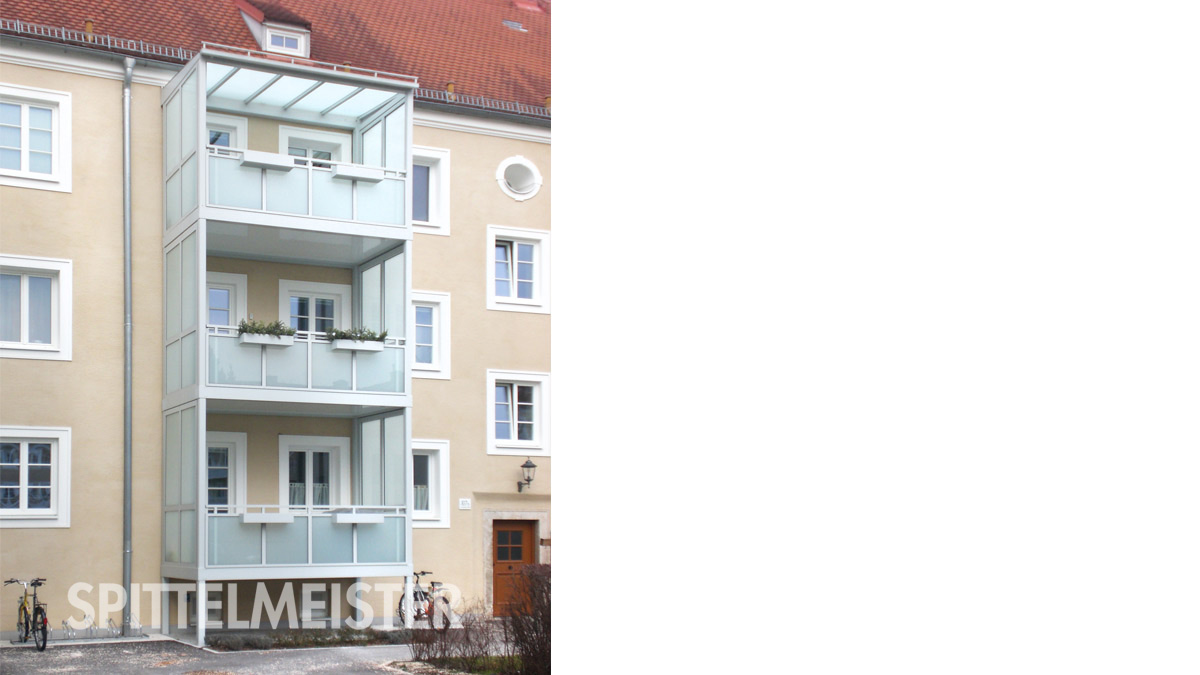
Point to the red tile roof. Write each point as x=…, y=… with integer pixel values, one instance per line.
x=440, y=41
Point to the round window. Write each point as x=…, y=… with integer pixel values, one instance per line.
x=518, y=178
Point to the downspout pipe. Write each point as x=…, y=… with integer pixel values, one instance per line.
x=127, y=174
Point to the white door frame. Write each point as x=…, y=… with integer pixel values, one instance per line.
x=339, y=465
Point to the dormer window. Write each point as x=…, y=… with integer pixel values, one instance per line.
x=285, y=40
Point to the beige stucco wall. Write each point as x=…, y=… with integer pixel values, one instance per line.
x=456, y=409
x=86, y=393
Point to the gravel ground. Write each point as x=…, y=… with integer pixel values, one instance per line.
x=173, y=658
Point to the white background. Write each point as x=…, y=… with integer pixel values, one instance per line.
x=876, y=344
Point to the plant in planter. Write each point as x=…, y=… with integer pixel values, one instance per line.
x=273, y=333
x=356, y=339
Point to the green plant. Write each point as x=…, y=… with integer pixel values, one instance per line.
x=264, y=328
x=361, y=334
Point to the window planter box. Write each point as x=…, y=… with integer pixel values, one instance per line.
x=349, y=172
x=357, y=345
x=267, y=160
x=268, y=340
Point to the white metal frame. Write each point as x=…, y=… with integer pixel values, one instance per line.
x=238, y=477
x=238, y=128
x=237, y=285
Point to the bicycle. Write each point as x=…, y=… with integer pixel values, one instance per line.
x=426, y=605
x=38, y=624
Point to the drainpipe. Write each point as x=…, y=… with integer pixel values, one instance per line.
x=127, y=562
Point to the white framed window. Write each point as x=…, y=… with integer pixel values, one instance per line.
x=313, y=145
x=518, y=269
x=431, y=190
x=283, y=40
x=35, y=138
x=35, y=476
x=431, y=483
x=431, y=334
x=518, y=413
x=35, y=308
x=313, y=306
x=226, y=293
x=225, y=476
x=518, y=178
x=227, y=131
x=314, y=471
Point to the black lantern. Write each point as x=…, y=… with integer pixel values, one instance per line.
x=527, y=470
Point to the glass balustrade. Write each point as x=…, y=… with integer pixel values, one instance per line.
x=310, y=362
x=311, y=536
x=326, y=190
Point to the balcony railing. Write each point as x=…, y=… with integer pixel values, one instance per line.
x=273, y=534
x=271, y=183
x=306, y=361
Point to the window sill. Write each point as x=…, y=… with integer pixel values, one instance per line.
x=29, y=522
x=511, y=305
x=32, y=352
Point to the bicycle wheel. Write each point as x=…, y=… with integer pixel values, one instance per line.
x=439, y=614
x=41, y=630
x=23, y=624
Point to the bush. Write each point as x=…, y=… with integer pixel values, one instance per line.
x=259, y=641
x=265, y=327
x=529, y=625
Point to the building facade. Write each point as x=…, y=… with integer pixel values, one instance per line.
x=291, y=163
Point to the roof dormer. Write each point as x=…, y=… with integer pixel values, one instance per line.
x=276, y=29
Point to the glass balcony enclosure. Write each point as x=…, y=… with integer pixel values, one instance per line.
x=263, y=136
x=308, y=361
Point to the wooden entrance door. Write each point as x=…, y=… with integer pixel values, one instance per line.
x=512, y=548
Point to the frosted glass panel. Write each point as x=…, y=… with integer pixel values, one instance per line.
x=396, y=145
x=232, y=542
x=372, y=469
x=171, y=450
x=381, y=202
x=187, y=283
x=381, y=371
x=373, y=146
x=187, y=534
x=287, y=543
x=188, y=367
x=171, y=366
x=171, y=536
x=287, y=191
x=287, y=366
x=372, y=307
x=230, y=362
x=331, y=197
x=171, y=152
x=171, y=294
x=188, y=130
x=188, y=450
x=394, y=460
x=188, y=176
x=174, y=198
x=396, y=308
x=231, y=184
x=382, y=542
x=332, y=543
x=331, y=370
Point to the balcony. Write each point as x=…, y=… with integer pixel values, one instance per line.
x=258, y=536
x=310, y=362
x=272, y=183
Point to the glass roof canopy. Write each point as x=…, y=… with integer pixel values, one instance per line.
x=270, y=91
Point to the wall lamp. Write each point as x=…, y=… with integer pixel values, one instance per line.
x=527, y=470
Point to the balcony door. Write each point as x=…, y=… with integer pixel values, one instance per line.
x=314, y=471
